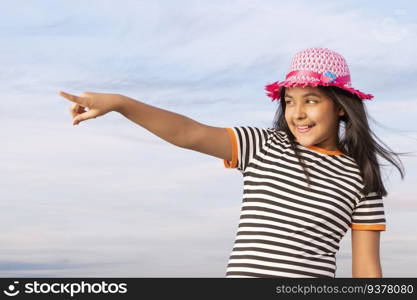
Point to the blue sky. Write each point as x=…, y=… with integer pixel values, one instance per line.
x=108, y=198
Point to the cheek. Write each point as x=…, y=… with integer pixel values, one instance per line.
x=327, y=124
x=323, y=116
x=287, y=117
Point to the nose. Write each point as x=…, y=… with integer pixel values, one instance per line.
x=299, y=112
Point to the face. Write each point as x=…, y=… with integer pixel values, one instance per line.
x=309, y=105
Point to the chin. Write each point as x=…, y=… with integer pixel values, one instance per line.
x=304, y=142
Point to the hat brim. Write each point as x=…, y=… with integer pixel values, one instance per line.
x=274, y=89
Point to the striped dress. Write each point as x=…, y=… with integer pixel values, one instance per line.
x=286, y=230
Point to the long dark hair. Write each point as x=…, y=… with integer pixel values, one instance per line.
x=358, y=140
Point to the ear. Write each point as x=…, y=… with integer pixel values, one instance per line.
x=341, y=112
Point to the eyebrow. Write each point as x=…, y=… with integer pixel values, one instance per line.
x=305, y=95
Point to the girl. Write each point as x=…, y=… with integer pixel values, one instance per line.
x=304, y=183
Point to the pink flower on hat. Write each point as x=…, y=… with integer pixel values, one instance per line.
x=313, y=67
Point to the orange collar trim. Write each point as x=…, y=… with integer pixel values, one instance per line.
x=322, y=150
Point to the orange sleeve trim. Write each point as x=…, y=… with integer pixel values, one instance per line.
x=233, y=163
x=381, y=227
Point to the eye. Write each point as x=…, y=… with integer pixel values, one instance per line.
x=286, y=102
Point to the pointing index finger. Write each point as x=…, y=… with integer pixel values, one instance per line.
x=73, y=98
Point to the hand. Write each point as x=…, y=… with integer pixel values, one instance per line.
x=98, y=104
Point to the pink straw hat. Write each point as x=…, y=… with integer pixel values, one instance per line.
x=313, y=67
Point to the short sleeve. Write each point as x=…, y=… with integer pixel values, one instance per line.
x=246, y=142
x=369, y=213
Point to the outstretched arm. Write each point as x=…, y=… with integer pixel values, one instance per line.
x=174, y=128
x=178, y=129
x=365, y=254
x=170, y=126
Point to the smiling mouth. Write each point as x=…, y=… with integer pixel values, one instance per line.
x=304, y=129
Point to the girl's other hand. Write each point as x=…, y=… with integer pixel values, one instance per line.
x=98, y=104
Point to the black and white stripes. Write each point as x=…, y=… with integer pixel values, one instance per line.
x=286, y=229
